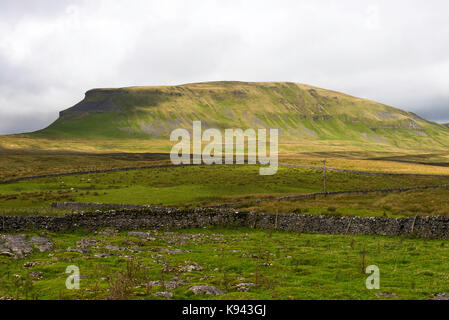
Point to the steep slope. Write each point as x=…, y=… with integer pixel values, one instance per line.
x=303, y=114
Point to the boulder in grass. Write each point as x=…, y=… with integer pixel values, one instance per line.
x=141, y=235
x=167, y=295
x=205, y=289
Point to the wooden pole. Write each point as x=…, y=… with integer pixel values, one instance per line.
x=324, y=177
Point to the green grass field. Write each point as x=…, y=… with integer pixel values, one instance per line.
x=15, y=164
x=410, y=203
x=245, y=263
x=280, y=265
x=277, y=265
x=194, y=186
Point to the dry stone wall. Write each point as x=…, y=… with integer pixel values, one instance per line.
x=168, y=218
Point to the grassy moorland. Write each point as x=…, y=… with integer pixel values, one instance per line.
x=13, y=165
x=436, y=163
x=244, y=263
x=192, y=186
x=410, y=203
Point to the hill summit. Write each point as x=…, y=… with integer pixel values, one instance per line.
x=303, y=114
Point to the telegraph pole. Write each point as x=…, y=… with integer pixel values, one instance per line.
x=324, y=177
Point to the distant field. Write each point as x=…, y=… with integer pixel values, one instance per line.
x=15, y=164
x=270, y=265
x=206, y=185
x=388, y=162
x=195, y=186
x=410, y=203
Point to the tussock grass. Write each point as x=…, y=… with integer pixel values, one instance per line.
x=280, y=265
x=13, y=165
x=422, y=202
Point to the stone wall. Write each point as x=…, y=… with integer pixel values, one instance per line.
x=82, y=206
x=167, y=218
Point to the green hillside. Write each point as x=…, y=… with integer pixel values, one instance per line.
x=305, y=115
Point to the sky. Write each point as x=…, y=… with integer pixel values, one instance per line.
x=52, y=51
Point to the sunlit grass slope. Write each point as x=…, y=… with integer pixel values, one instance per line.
x=308, y=118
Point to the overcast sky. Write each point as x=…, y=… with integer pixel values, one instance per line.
x=52, y=51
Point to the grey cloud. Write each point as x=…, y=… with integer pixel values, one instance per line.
x=13, y=9
x=178, y=56
x=14, y=123
x=434, y=110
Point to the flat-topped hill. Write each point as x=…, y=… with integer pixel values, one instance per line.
x=303, y=114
